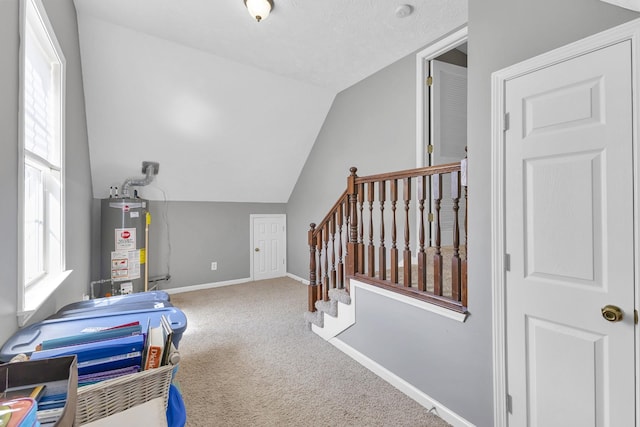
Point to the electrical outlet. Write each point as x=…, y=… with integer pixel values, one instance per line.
x=126, y=288
x=214, y=266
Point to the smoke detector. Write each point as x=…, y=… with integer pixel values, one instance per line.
x=404, y=10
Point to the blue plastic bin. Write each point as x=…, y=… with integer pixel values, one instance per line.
x=118, y=303
x=26, y=339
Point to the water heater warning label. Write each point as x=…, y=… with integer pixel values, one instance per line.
x=125, y=265
x=125, y=239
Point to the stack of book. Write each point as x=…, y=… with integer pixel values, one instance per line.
x=113, y=352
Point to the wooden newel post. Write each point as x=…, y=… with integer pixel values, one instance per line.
x=312, y=268
x=352, y=243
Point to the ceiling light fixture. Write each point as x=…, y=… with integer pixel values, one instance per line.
x=259, y=9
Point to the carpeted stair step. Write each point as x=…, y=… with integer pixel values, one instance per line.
x=315, y=317
x=330, y=307
x=340, y=295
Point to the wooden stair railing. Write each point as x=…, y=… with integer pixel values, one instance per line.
x=340, y=248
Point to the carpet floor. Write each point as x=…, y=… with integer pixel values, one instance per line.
x=248, y=359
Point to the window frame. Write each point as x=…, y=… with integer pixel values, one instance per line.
x=33, y=294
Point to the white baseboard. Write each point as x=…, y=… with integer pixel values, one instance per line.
x=414, y=393
x=298, y=278
x=172, y=291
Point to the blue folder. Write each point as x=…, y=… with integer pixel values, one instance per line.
x=100, y=355
x=119, y=361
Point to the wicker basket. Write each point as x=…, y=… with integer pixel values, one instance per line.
x=109, y=397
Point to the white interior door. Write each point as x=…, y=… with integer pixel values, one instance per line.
x=569, y=236
x=268, y=246
x=448, y=133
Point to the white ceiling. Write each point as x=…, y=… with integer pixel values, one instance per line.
x=229, y=107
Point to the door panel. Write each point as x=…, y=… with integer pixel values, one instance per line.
x=575, y=217
x=564, y=394
x=569, y=233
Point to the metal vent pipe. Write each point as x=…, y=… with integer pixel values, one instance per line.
x=150, y=169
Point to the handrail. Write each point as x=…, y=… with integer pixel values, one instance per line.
x=345, y=244
x=410, y=173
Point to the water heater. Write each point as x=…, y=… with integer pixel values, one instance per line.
x=123, y=248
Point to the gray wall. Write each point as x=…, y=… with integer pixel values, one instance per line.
x=185, y=237
x=202, y=232
x=449, y=361
x=78, y=179
x=370, y=126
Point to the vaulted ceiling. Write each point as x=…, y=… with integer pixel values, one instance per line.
x=230, y=107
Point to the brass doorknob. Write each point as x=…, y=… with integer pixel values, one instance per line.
x=257, y=249
x=612, y=313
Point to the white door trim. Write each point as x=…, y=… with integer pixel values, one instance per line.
x=628, y=31
x=423, y=57
x=252, y=217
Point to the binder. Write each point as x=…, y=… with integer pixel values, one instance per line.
x=100, y=355
x=133, y=359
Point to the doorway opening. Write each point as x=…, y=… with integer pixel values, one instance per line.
x=442, y=118
x=451, y=50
